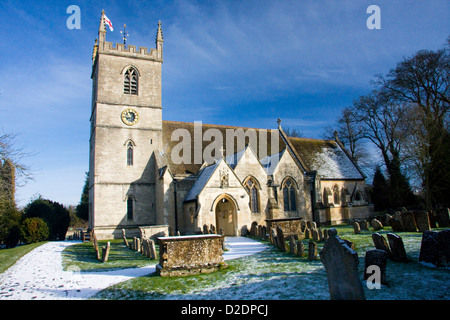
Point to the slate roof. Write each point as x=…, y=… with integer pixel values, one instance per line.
x=325, y=156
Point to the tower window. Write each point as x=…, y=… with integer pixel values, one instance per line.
x=130, y=81
x=130, y=208
x=130, y=153
x=289, y=196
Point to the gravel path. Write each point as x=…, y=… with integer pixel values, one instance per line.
x=39, y=274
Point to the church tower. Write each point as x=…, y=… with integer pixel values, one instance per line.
x=126, y=128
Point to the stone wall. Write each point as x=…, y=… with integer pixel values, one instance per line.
x=185, y=255
x=289, y=226
x=336, y=215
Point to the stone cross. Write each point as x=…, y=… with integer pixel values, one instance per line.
x=341, y=265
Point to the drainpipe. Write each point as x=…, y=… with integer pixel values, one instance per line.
x=176, y=206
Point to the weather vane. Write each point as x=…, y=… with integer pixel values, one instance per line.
x=124, y=34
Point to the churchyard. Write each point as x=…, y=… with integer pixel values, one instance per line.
x=279, y=273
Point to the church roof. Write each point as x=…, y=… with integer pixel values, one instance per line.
x=327, y=157
x=203, y=178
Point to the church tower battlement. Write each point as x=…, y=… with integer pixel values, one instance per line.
x=126, y=129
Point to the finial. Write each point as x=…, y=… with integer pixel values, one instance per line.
x=279, y=122
x=159, y=35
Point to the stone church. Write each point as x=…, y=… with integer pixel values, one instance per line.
x=149, y=172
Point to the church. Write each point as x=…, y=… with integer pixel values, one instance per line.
x=148, y=172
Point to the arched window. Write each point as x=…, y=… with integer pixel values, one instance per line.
x=130, y=208
x=130, y=146
x=336, y=197
x=289, y=195
x=252, y=187
x=130, y=81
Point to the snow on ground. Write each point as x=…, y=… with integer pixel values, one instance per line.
x=39, y=274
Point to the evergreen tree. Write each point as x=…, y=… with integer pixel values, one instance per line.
x=83, y=206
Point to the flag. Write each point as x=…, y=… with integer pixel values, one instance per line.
x=109, y=23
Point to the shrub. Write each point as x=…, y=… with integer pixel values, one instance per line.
x=53, y=213
x=34, y=230
x=9, y=225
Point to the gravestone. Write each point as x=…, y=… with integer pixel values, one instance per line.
x=300, y=249
x=378, y=258
x=376, y=225
x=443, y=217
x=281, y=240
x=152, y=248
x=396, y=224
x=307, y=233
x=309, y=224
x=428, y=247
x=312, y=251
x=422, y=221
x=315, y=235
x=302, y=225
x=398, y=252
x=125, y=241
x=443, y=248
x=364, y=225
x=320, y=234
x=381, y=243
x=254, y=229
x=325, y=234
x=409, y=223
x=292, y=245
x=341, y=265
x=356, y=228
x=105, y=252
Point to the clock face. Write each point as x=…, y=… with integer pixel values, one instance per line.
x=129, y=117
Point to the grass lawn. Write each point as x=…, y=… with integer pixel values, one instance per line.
x=9, y=256
x=84, y=257
x=273, y=274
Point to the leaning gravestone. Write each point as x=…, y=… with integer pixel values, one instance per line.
x=341, y=265
x=428, y=247
x=397, y=248
x=408, y=221
x=376, y=257
x=356, y=228
x=125, y=241
x=281, y=241
x=292, y=246
x=381, y=243
x=312, y=251
x=443, y=217
x=422, y=221
x=376, y=225
x=300, y=249
x=105, y=252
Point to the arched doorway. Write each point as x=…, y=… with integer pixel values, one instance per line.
x=226, y=216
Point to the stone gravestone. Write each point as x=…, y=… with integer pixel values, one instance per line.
x=341, y=265
x=422, y=221
x=307, y=233
x=396, y=224
x=443, y=248
x=325, y=234
x=254, y=229
x=315, y=235
x=105, y=252
x=281, y=240
x=398, y=252
x=408, y=221
x=300, y=249
x=364, y=225
x=378, y=258
x=443, y=217
x=376, y=225
x=381, y=243
x=312, y=251
x=125, y=241
x=356, y=228
x=428, y=247
x=292, y=245
x=302, y=225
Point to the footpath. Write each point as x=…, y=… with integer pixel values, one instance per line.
x=39, y=274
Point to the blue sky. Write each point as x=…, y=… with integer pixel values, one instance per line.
x=242, y=63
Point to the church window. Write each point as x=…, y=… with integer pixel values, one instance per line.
x=336, y=197
x=130, y=208
x=289, y=196
x=130, y=153
x=130, y=81
x=252, y=188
